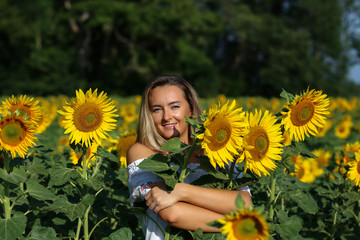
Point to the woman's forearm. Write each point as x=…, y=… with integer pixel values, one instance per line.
x=217, y=200
x=190, y=217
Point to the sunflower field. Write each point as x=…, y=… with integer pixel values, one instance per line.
x=63, y=166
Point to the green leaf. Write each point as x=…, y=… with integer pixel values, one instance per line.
x=42, y=233
x=38, y=191
x=121, y=234
x=61, y=175
x=169, y=178
x=59, y=221
x=13, y=227
x=288, y=96
x=37, y=166
x=193, y=122
x=215, y=224
x=198, y=234
x=108, y=155
x=157, y=162
x=174, y=145
x=239, y=202
x=74, y=211
x=304, y=151
x=71, y=210
x=88, y=199
x=289, y=227
x=17, y=175
x=96, y=182
x=305, y=201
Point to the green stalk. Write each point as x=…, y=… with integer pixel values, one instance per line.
x=7, y=208
x=167, y=232
x=272, y=198
x=97, y=166
x=86, y=223
x=187, y=159
x=86, y=216
x=78, y=229
x=85, y=164
x=231, y=172
x=97, y=224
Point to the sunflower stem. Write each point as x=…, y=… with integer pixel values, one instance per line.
x=96, y=225
x=187, y=159
x=7, y=208
x=97, y=165
x=78, y=229
x=167, y=232
x=272, y=198
x=84, y=163
x=231, y=172
x=86, y=223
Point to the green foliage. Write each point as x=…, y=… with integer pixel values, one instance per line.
x=231, y=47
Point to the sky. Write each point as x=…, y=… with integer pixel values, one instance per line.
x=354, y=73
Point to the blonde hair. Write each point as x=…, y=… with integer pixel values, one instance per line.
x=146, y=131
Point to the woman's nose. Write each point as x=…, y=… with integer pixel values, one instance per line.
x=167, y=114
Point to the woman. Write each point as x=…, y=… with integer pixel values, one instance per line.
x=165, y=103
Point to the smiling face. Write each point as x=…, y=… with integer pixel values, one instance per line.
x=168, y=107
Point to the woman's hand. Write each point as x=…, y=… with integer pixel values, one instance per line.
x=158, y=198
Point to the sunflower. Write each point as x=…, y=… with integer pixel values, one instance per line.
x=306, y=114
x=342, y=130
x=262, y=144
x=354, y=171
x=16, y=135
x=88, y=117
x=121, y=146
x=26, y=106
x=90, y=153
x=128, y=112
x=307, y=170
x=353, y=147
x=287, y=140
x=48, y=113
x=323, y=157
x=245, y=225
x=223, y=135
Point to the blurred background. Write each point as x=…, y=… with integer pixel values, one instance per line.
x=232, y=47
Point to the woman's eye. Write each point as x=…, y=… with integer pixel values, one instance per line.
x=156, y=109
x=175, y=107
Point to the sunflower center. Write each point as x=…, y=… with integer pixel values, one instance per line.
x=261, y=144
x=246, y=228
x=259, y=139
x=90, y=118
x=13, y=133
x=302, y=113
x=301, y=172
x=87, y=117
x=220, y=129
x=221, y=135
x=358, y=167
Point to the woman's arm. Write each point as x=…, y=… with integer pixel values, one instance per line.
x=190, y=217
x=216, y=200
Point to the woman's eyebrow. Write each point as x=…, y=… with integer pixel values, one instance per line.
x=171, y=103
x=174, y=102
x=154, y=106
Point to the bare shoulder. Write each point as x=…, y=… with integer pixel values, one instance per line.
x=138, y=151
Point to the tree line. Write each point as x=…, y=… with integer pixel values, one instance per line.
x=233, y=47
